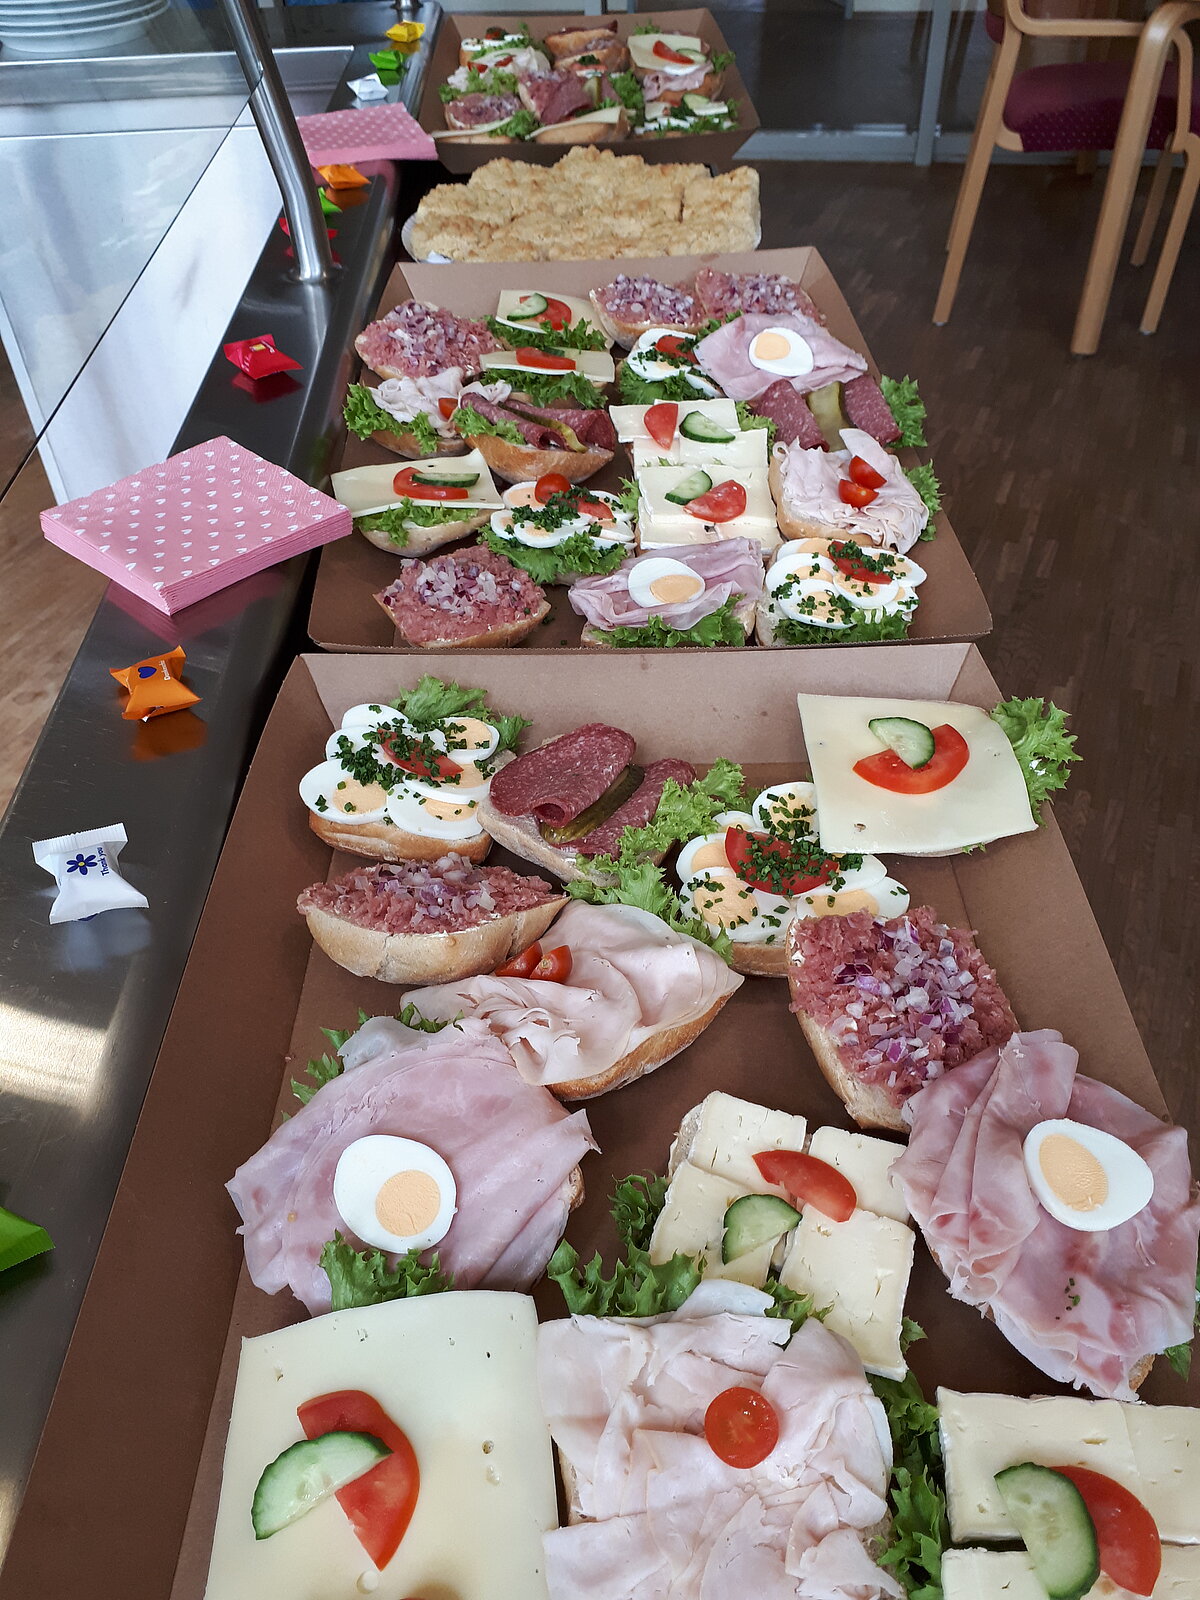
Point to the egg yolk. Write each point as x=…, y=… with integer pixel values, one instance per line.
x=675, y=586
x=355, y=796
x=711, y=855
x=1076, y=1176
x=469, y=733
x=723, y=902
x=772, y=346
x=469, y=778
x=843, y=904
x=448, y=810
x=407, y=1203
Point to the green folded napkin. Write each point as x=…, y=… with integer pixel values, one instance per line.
x=19, y=1240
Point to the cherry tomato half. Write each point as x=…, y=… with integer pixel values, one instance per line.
x=521, y=966
x=672, y=344
x=529, y=356
x=447, y=407
x=436, y=770
x=737, y=853
x=665, y=53
x=811, y=1181
x=555, y=965
x=550, y=483
x=1130, y=1548
x=855, y=494
x=380, y=1504
x=864, y=473
x=660, y=423
x=741, y=1426
x=403, y=484
x=951, y=752
x=721, y=504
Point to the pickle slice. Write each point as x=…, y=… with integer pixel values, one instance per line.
x=826, y=405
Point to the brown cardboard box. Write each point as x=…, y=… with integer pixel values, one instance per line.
x=715, y=150
x=344, y=615
x=124, y=1488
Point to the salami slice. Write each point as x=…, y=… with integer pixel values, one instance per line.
x=867, y=409
x=559, y=780
x=637, y=810
x=788, y=410
x=589, y=427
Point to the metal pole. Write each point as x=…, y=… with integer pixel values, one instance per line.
x=284, y=146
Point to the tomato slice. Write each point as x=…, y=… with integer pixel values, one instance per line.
x=550, y=483
x=855, y=494
x=811, y=1181
x=741, y=1426
x=380, y=1504
x=864, y=473
x=435, y=770
x=447, y=407
x=665, y=53
x=951, y=752
x=854, y=568
x=557, y=315
x=738, y=854
x=673, y=344
x=1130, y=1548
x=521, y=966
x=721, y=504
x=661, y=421
x=495, y=33
x=555, y=965
x=403, y=484
x=598, y=510
x=501, y=61
x=529, y=356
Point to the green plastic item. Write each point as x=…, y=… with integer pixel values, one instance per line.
x=327, y=205
x=20, y=1240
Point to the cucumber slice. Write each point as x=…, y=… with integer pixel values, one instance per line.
x=912, y=741
x=696, y=425
x=1058, y=1531
x=532, y=305
x=689, y=488
x=447, y=480
x=753, y=1220
x=694, y=101
x=307, y=1473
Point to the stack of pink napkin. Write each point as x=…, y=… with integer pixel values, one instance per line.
x=373, y=133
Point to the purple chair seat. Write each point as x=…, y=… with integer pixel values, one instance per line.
x=1078, y=105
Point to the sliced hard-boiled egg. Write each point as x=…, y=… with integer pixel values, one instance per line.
x=863, y=888
x=1086, y=1178
x=328, y=790
x=436, y=811
x=370, y=714
x=470, y=736
x=528, y=533
x=735, y=819
x=749, y=916
x=784, y=804
x=660, y=581
x=703, y=854
x=520, y=494
x=781, y=350
x=356, y=738
x=649, y=364
x=819, y=601
x=394, y=1194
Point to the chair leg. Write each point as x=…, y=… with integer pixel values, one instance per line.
x=1180, y=216
x=1154, y=205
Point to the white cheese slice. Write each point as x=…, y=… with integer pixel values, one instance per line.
x=866, y=1162
x=656, y=532
x=692, y=1223
x=859, y=1269
x=510, y=301
x=656, y=482
x=594, y=364
x=458, y=1373
x=1166, y=1447
x=988, y=800
x=630, y=421
x=641, y=49
x=1009, y=1575
x=366, y=490
x=722, y=1134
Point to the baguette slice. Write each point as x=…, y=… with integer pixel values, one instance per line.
x=407, y=444
x=587, y=128
x=382, y=841
x=798, y=524
x=627, y=334
x=518, y=463
x=579, y=41
x=429, y=957
x=611, y=56
x=653, y=1052
x=422, y=540
x=522, y=837
x=500, y=637
x=708, y=88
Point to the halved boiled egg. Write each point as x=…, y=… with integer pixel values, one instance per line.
x=659, y=581
x=1084, y=1177
x=520, y=494
x=469, y=736
x=785, y=804
x=819, y=601
x=394, y=1194
x=781, y=350
x=749, y=916
x=436, y=811
x=703, y=854
x=328, y=790
x=528, y=533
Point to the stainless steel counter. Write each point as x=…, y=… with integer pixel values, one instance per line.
x=83, y=1006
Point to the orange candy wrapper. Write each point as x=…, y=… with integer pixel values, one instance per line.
x=341, y=176
x=154, y=686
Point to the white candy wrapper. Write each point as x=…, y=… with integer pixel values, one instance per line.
x=368, y=88
x=84, y=865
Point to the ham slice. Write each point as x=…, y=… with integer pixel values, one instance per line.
x=669, y=1520
x=963, y=1177
x=731, y=568
x=808, y=489
x=511, y=1147
x=724, y=355
x=631, y=977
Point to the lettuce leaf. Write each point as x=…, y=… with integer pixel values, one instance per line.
x=636, y=391
x=630, y=496
x=469, y=423
x=551, y=389
x=365, y=416
x=875, y=626
x=636, y=1287
x=905, y=403
x=719, y=627
x=392, y=521
x=629, y=91
x=488, y=80
x=644, y=885
x=1037, y=731
x=522, y=124
x=431, y=702
x=582, y=336
x=1180, y=1355
x=917, y=1535
x=636, y=1204
x=790, y=1305
x=577, y=554
x=363, y=1277
x=748, y=419
x=925, y=481
x=684, y=813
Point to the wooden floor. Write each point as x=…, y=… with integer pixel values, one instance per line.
x=1072, y=484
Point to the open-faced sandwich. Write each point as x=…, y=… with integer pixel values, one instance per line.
x=404, y=781
x=685, y=505
x=420, y=507
x=859, y=492
x=629, y=307
x=557, y=532
x=822, y=590
x=701, y=595
x=690, y=432
x=467, y=599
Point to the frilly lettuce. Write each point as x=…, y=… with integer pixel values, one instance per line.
x=433, y=700
x=363, y=1277
x=905, y=403
x=1037, y=731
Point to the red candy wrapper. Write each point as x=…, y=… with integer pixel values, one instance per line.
x=154, y=686
x=258, y=357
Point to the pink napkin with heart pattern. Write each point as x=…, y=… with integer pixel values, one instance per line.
x=371, y=133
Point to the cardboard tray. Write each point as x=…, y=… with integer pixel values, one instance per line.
x=125, y=1484
x=715, y=150
x=344, y=615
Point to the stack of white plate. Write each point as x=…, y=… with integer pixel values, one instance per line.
x=72, y=28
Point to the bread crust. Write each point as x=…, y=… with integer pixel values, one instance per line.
x=612, y=56
x=407, y=444
x=583, y=131
x=496, y=638
x=868, y=1103
x=422, y=540
x=473, y=136
x=521, y=836
x=708, y=88
x=759, y=960
x=429, y=957
x=519, y=463
x=627, y=334
x=653, y=1052
x=577, y=41
x=382, y=841
x=598, y=640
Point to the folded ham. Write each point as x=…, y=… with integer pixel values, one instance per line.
x=407, y=398
x=511, y=1147
x=806, y=488
x=724, y=355
x=1132, y=1289
x=730, y=568
x=631, y=977
x=668, y=1520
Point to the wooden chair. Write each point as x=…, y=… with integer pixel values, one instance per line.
x=1085, y=107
